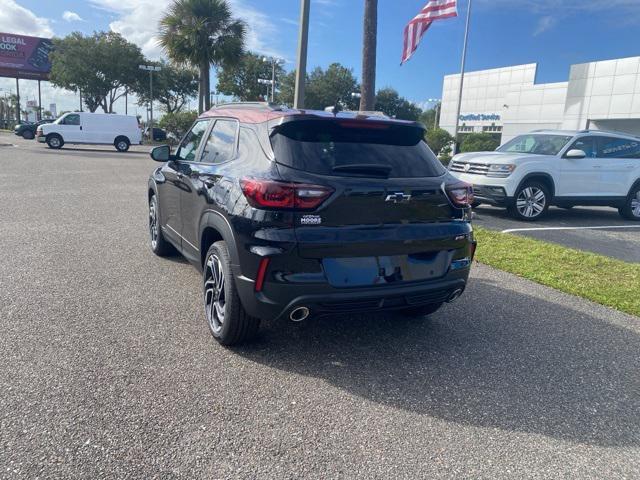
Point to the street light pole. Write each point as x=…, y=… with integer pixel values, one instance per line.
x=303, y=42
x=437, y=101
x=150, y=69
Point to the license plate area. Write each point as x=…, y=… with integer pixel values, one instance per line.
x=386, y=270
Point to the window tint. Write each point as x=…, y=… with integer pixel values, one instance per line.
x=72, y=119
x=191, y=141
x=355, y=148
x=609, y=147
x=587, y=145
x=537, y=144
x=221, y=143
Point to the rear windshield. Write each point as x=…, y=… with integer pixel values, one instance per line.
x=351, y=149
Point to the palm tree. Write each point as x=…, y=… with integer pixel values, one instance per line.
x=369, y=40
x=200, y=33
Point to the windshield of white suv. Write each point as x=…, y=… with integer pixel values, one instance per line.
x=537, y=144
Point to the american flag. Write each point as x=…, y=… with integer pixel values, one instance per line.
x=416, y=28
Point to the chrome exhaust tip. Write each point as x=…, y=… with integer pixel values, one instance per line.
x=455, y=295
x=299, y=314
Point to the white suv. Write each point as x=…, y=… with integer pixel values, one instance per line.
x=552, y=167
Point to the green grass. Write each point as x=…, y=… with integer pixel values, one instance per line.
x=601, y=279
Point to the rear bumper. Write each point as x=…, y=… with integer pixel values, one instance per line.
x=278, y=300
x=42, y=139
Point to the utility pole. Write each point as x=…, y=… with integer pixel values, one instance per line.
x=437, y=102
x=303, y=41
x=464, y=59
x=150, y=69
x=17, y=100
x=39, y=102
x=369, y=47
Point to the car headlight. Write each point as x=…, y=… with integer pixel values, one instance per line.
x=500, y=170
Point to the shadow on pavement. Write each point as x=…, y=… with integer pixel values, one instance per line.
x=555, y=216
x=527, y=366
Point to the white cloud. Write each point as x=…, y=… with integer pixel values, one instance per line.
x=137, y=21
x=545, y=23
x=72, y=17
x=17, y=19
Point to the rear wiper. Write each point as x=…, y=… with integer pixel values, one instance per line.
x=374, y=168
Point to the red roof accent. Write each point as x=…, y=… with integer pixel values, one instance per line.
x=259, y=115
x=246, y=115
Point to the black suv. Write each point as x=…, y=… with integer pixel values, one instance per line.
x=292, y=213
x=27, y=130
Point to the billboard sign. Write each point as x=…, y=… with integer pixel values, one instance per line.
x=24, y=57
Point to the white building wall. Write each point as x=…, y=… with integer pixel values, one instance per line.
x=483, y=93
x=607, y=90
x=531, y=107
x=601, y=95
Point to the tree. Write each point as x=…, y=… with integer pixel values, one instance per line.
x=241, y=80
x=172, y=86
x=391, y=103
x=438, y=139
x=201, y=33
x=369, y=41
x=428, y=117
x=324, y=88
x=479, y=142
x=178, y=122
x=102, y=66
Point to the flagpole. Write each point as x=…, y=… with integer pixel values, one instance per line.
x=464, y=60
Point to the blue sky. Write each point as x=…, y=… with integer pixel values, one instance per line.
x=553, y=33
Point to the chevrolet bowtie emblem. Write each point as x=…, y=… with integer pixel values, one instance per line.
x=398, y=197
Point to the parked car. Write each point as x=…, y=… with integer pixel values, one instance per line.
x=294, y=213
x=553, y=167
x=27, y=130
x=91, y=128
x=159, y=135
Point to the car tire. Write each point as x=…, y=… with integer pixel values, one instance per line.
x=159, y=245
x=531, y=202
x=55, y=141
x=227, y=319
x=28, y=135
x=122, y=144
x=631, y=208
x=421, y=311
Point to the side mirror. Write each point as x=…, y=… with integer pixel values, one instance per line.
x=575, y=154
x=161, y=153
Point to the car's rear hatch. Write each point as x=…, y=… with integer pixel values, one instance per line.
x=388, y=218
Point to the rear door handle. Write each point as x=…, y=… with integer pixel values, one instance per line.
x=209, y=183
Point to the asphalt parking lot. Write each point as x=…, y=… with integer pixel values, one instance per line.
x=108, y=370
x=595, y=229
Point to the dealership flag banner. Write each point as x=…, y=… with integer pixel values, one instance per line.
x=416, y=28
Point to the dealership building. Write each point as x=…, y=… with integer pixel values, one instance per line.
x=507, y=101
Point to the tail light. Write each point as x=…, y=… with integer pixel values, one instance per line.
x=274, y=194
x=38, y=132
x=460, y=194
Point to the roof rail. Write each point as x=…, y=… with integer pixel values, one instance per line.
x=609, y=132
x=257, y=105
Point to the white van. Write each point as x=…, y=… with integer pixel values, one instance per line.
x=91, y=128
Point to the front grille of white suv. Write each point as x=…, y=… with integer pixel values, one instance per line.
x=473, y=168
